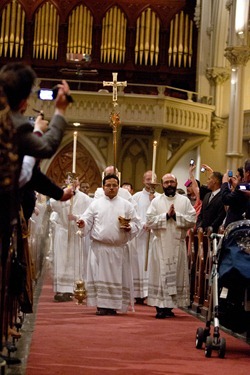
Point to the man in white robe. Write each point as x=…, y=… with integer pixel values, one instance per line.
x=109, y=282
x=141, y=244
x=169, y=215
x=122, y=192
x=67, y=247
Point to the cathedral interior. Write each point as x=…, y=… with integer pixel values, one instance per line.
x=169, y=71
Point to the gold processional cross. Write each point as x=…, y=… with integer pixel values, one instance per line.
x=115, y=116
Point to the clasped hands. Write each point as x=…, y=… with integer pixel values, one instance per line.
x=171, y=212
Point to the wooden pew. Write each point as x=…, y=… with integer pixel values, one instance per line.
x=198, y=298
x=192, y=249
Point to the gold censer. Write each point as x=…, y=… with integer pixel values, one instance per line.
x=80, y=292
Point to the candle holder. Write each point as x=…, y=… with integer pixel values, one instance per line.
x=153, y=186
x=71, y=177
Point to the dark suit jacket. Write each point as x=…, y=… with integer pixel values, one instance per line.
x=238, y=203
x=212, y=213
x=29, y=143
x=42, y=184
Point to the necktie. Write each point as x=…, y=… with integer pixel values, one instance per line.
x=211, y=197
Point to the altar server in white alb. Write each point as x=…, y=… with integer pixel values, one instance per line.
x=141, y=245
x=169, y=215
x=112, y=222
x=67, y=244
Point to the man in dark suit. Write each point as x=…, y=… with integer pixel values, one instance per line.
x=237, y=200
x=212, y=211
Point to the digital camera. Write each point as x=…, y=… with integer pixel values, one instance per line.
x=47, y=94
x=244, y=187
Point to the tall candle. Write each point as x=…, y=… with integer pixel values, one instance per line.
x=74, y=153
x=154, y=159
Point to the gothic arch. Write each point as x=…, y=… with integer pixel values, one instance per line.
x=134, y=159
x=89, y=162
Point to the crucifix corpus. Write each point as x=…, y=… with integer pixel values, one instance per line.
x=115, y=116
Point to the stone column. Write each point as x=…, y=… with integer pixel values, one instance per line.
x=237, y=53
x=216, y=77
x=238, y=57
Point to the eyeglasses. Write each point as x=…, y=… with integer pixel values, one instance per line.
x=111, y=186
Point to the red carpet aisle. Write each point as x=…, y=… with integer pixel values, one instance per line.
x=71, y=340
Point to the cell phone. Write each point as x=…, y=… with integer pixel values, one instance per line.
x=191, y=162
x=203, y=169
x=244, y=187
x=46, y=94
x=230, y=174
x=32, y=120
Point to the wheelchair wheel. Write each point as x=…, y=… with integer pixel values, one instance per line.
x=199, y=338
x=208, y=347
x=222, y=348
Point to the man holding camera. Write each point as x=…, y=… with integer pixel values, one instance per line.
x=212, y=212
x=238, y=199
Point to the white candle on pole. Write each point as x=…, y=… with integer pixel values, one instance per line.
x=154, y=159
x=74, y=153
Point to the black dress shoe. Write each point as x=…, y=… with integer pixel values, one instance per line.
x=164, y=312
x=160, y=315
x=139, y=301
x=104, y=311
x=169, y=313
x=62, y=297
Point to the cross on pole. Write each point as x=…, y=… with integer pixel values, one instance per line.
x=115, y=84
x=115, y=116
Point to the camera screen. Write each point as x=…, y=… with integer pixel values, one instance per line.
x=45, y=94
x=244, y=187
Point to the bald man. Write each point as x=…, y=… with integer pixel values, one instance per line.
x=169, y=216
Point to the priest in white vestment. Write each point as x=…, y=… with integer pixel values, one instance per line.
x=67, y=245
x=109, y=281
x=169, y=215
x=141, y=244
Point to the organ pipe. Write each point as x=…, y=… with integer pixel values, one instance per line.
x=147, y=38
x=180, y=49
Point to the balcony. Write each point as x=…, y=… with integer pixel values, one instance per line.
x=161, y=107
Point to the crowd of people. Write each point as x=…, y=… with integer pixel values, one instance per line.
x=19, y=178
x=144, y=260
x=129, y=248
